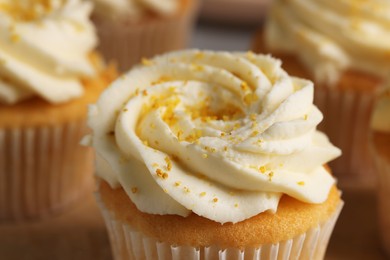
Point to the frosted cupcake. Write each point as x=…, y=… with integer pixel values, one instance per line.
x=130, y=30
x=203, y=154
x=48, y=73
x=381, y=147
x=343, y=47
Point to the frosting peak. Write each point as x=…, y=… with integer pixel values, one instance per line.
x=221, y=134
x=44, y=48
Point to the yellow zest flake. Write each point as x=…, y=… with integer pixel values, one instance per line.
x=258, y=142
x=270, y=175
x=196, y=67
x=134, y=190
x=177, y=183
x=253, y=117
x=236, y=205
x=215, y=200
x=199, y=55
x=205, y=155
x=194, y=136
x=254, y=133
x=281, y=165
x=244, y=86
x=262, y=169
x=162, y=174
x=250, y=98
x=225, y=118
x=146, y=143
x=27, y=10
x=155, y=165
x=236, y=126
x=225, y=148
x=162, y=79
x=15, y=38
x=222, y=134
x=169, y=163
x=153, y=125
x=202, y=194
x=186, y=190
x=301, y=183
x=125, y=110
x=136, y=91
x=179, y=135
x=165, y=190
x=210, y=149
x=146, y=62
x=305, y=117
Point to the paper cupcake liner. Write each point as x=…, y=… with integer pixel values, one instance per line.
x=128, y=43
x=346, y=122
x=42, y=169
x=383, y=169
x=127, y=243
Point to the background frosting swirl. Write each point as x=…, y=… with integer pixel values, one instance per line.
x=44, y=49
x=221, y=134
x=331, y=36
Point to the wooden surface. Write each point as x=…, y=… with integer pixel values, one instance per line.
x=79, y=233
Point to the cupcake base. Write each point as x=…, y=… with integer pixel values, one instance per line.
x=43, y=167
x=381, y=150
x=129, y=242
x=41, y=170
x=127, y=42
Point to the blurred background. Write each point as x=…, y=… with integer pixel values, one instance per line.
x=228, y=24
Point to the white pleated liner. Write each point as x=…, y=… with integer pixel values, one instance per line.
x=128, y=43
x=346, y=122
x=383, y=169
x=42, y=169
x=127, y=244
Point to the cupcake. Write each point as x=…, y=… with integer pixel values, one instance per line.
x=48, y=74
x=343, y=47
x=205, y=154
x=380, y=126
x=131, y=30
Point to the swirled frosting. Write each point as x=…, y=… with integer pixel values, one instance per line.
x=220, y=134
x=44, y=48
x=134, y=9
x=331, y=36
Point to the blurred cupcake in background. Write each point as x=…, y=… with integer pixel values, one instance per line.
x=130, y=30
x=48, y=74
x=343, y=46
x=381, y=147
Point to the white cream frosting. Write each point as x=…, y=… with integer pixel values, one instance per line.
x=134, y=9
x=44, y=48
x=380, y=120
x=331, y=36
x=221, y=134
